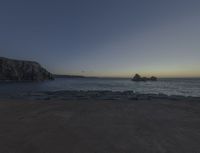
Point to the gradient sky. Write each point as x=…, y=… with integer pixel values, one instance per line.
x=104, y=37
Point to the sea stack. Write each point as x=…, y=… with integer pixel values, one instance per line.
x=137, y=78
x=19, y=70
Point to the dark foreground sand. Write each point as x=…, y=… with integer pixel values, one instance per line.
x=99, y=126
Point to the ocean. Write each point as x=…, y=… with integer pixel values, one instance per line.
x=185, y=87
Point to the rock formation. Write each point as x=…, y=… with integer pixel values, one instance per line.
x=137, y=77
x=153, y=78
x=17, y=70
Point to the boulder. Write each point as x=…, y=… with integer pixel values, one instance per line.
x=18, y=70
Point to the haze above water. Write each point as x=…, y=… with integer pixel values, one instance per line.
x=185, y=87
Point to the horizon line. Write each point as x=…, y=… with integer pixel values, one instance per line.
x=120, y=77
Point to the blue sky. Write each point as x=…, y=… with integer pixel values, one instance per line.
x=104, y=37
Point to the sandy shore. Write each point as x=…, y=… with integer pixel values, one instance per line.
x=159, y=125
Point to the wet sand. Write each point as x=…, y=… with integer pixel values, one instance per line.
x=100, y=126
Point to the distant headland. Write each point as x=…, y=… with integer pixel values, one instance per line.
x=67, y=76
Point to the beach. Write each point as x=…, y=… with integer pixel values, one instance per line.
x=107, y=122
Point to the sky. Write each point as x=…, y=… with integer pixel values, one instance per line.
x=114, y=38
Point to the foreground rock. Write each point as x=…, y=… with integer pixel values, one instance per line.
x=137, y=77
x=18, y=70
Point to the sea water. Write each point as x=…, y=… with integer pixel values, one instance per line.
x=181, y=86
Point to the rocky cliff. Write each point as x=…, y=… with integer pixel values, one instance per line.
x=17, y=70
